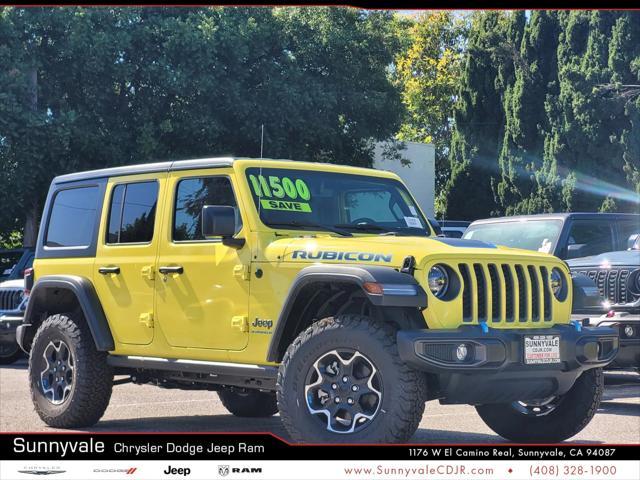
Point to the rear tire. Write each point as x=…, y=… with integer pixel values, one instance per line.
x=342, y=381
x=557, y=420
x=70, y=380
x=249, y=403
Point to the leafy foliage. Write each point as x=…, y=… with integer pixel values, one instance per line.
x=86, y=88
x=548, y=115
x=427, y=71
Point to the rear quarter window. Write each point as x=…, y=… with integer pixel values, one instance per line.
x=73, y=217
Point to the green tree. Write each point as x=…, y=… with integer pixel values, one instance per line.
x=86, y=88
x=427, y=71
x=547, y=119
x=478, y=120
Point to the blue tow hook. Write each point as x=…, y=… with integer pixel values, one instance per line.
x=577, y=325
x=484, y=327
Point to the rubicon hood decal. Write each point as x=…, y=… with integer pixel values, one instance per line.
x=346, y=256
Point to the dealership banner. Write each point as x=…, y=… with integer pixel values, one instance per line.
x=319, y=469
x=264, y=456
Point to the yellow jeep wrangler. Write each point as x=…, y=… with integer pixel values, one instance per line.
x=317, y=291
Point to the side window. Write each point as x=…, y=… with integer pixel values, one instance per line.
x=596, y=236
x=194, y=193
x=626, y=228
x=73, y=218
x=132, y=213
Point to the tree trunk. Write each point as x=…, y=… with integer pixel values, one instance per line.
x=31, y=212
x=30, y=227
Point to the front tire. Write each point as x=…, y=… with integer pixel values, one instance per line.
x=342, y=381
x=70, y=380
x=550, y=420
x=249, y=403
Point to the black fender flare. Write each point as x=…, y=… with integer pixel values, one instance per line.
x=586, y=296
x=44, y=292
x=397, y=290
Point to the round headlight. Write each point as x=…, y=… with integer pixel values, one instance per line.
x=557, y=282
x=438, y=280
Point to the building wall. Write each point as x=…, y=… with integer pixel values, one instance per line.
x=419, y=174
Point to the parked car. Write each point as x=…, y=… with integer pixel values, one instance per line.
x=454, y=228
x=12, y=306
x=13, y=301
x=565, y=235
x=617, y=277
x=14, y=262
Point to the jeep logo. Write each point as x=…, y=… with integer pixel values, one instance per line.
x=262, y=323
x=177, y=471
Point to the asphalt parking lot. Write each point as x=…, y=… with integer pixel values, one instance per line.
x=136, y=408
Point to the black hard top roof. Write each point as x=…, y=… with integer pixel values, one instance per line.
x=217, y=162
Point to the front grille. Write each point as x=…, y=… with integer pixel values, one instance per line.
x=10, y=298
x=497, y=293
x=611, y=282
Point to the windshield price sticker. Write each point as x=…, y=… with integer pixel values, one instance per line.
x=541, y=349
x=413, y=222
x=281, y=193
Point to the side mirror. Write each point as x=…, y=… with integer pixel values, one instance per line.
x=577, y=250
x=220, y=221
x=632, y=241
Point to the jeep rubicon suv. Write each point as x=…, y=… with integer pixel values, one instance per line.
x=317, y=291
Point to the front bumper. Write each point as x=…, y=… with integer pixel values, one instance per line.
x=8, y=326
x=628, y=327
x=495, y=370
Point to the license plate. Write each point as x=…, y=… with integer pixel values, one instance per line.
x=541, y=349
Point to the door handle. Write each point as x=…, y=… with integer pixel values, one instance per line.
x=177, y=269
x=114, y=270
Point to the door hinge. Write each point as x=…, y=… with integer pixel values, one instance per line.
x=148, y=272
x=241, y=323
x=242, y=271
x=147, y=319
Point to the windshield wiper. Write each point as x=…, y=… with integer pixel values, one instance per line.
x=296, y=223
x=374, y=227
x=367, y=227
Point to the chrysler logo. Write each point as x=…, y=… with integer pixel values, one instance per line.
x=41, y=472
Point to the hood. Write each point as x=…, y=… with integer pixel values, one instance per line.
x=387, y=250
x=17, y=283
x=605, y=260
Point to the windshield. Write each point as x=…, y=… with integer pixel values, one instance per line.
x=8, y=261
x=540, y=235
x=337, y=202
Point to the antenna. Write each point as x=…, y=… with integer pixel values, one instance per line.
x=260, y=171
x=261, y=139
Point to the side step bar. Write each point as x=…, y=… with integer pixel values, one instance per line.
x=220, y=373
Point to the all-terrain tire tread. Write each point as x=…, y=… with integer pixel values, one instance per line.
x=94, y=381
x=578, y=407
x=412, y=384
